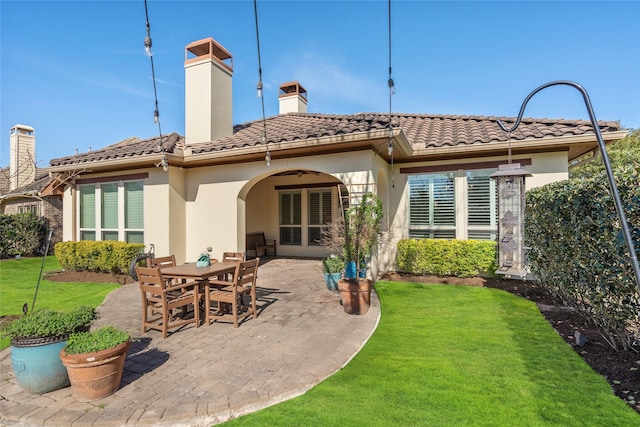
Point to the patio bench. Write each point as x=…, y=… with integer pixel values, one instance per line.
x=257, y=245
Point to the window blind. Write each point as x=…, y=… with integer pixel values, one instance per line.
x=134, y=204
x=88, y=206
x=290, y=218
x=431, y=203
x=109, y=205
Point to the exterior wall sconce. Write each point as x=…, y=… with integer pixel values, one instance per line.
x=511, y=202
x=624, y=224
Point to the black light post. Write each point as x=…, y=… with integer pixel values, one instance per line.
x=603, y=151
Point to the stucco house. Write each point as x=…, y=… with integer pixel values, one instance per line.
x=289, y=174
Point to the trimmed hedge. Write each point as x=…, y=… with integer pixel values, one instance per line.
x=578, y=251
x=89, y=255
x=461, y=258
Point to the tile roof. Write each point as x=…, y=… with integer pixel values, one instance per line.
x=421, y=130
x=130, y=147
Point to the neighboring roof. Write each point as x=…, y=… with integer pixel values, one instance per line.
x=33, y=189
x=422, y=132
x=5, y=184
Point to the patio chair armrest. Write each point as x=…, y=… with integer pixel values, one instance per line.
x=185, y=285
x=218, y=283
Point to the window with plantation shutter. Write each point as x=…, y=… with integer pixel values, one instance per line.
x=319, y=214
x=134, y=212
x=109, y=205
x=112, y=211
x=87, y=206
x=291, y=218
x=481, y=205
x=432, y=210
x=87, y=195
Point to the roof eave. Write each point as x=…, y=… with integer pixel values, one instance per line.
x=287, y=149
x=576, y=145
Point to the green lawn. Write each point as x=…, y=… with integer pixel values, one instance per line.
x=448, y=355
x=18, y=281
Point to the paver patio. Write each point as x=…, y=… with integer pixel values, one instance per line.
x=204, y=376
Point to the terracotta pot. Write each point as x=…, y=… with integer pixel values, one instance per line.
x=355, y=295
x=96, y=375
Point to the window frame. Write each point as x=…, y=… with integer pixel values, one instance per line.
x=432, y=229
x=324, y=215
x=92, y=225
x=290, y=232
x=463, y=208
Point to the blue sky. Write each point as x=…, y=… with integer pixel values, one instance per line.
x=77, y=73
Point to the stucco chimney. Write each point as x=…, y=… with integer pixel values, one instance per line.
x=208, y=105
x=22, y=156
x=293, y=98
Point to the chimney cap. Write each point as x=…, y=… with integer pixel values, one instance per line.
x=291, y=89
x=208, y=48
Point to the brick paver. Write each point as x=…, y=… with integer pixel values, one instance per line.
x=193, y=377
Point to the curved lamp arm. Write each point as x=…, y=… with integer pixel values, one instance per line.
x=603, y=152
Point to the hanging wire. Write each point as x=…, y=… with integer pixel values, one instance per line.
x=156, y=113
x=509, y=146
x=263, y=136
x=392, y=91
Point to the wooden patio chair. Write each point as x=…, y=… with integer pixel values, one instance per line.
x=228, y=294
x=162, y=261
x=160, y=297
x=233, y=256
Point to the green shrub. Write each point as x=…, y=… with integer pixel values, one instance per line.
x=461, y=258
x=578, y=251
x=332, y=264
x=21, y=234
x=100, y=339
x=48, y=323
x=89, y=255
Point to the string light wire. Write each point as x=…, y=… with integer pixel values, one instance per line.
x=263, y=137
x=156, y=113
x=392, y=91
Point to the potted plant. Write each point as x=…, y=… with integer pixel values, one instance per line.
x=332, y=267
x=355, y=235
x=36, y=340
x=95, y=361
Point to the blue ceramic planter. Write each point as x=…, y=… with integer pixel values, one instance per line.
x=332, y=280
x=350, y=270
x=37, y=366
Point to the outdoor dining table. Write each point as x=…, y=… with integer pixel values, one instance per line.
x=201, y=274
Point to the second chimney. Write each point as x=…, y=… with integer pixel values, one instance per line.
x=208, y=105
x=293, y=98
x=22, y=156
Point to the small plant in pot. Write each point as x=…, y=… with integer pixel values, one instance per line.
x=355, y=235
x=36, y=340
x=95, y=362
x=332, y=267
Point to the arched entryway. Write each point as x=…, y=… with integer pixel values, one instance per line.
x=292, y=207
